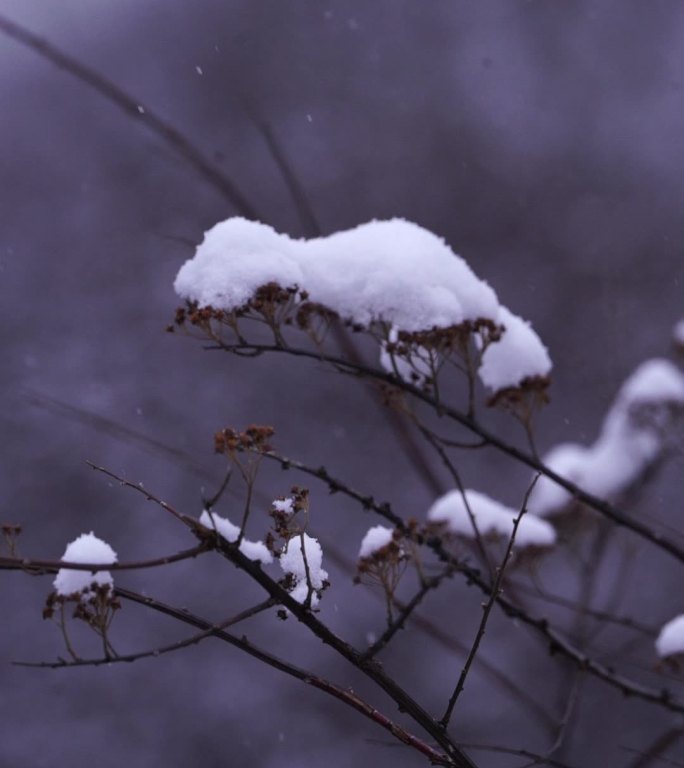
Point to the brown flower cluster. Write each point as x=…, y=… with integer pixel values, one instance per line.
x=254, y=438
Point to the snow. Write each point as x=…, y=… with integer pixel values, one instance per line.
x=491, y=518
x=284, y=505
x=87, y=548
x=292, y=562
x=376, y=538
x=518, y=355
x=393, y=272
x=254, y=550
x=633, y=436
x=364, y=274
x=670, y=641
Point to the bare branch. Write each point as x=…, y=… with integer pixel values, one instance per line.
x=527, y=459
x=40, y=567
x=496, y=589
x=173, y=138
x=344, y=695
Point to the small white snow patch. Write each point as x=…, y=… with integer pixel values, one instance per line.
x=87, y=548
x=284, y=505
x=670, y=641
x=376, y=538
x=491, y=518
x=292, y=561
x=254, y=550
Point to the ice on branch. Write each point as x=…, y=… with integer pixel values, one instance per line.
x=303, y=561
x=635, y=433
x=254, y=550
x=670, y=641
x=390, y=274
x=378, y=537
x=87, y=548
x=493, y=520
x=518, y=356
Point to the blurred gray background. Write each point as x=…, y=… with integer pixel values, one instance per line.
x=544, y=141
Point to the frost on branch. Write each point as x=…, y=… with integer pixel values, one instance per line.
x=670, y=641
x=634, y=436
x=393, y=278
x=254, y=550
x=493, y=520
x=302, y=562
x=87, y=548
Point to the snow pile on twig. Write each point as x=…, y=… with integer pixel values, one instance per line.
x=254, y=550
x=670, y=641
x=517, y=356
x=376, y=538
x=493, y=520
x=393, y=272
x=87, y=548
x=303, y=560
x=634, y=434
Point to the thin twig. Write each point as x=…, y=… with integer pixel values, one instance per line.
x=570, y=707
x=39, y=567
x=344, y=695
x=362, y=370
x=556, y=641
x=172, y=137
x=299, y=197
x=190, y=521
x=536, y=759
x=211, y=631
x=602, y=616
x=370, y=668
x=663, y=741
x=430, y=437
x=495, y=590
x=405, y=613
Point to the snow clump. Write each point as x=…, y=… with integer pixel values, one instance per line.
x=304, y=553
x=634, y=434
x=519, y=355
x=254, y=550
x=376, y=538
x=87, y=548
x=670, y=641
x=392, y=272
x=493, y=520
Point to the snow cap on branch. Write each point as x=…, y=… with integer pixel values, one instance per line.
x=634, y=434
x=491, y=518
x=519, y=355
x=394, y=272
x=87, y=548
x=254, y=550
x=303, y=560
x=670, y=641
x=376, y=538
